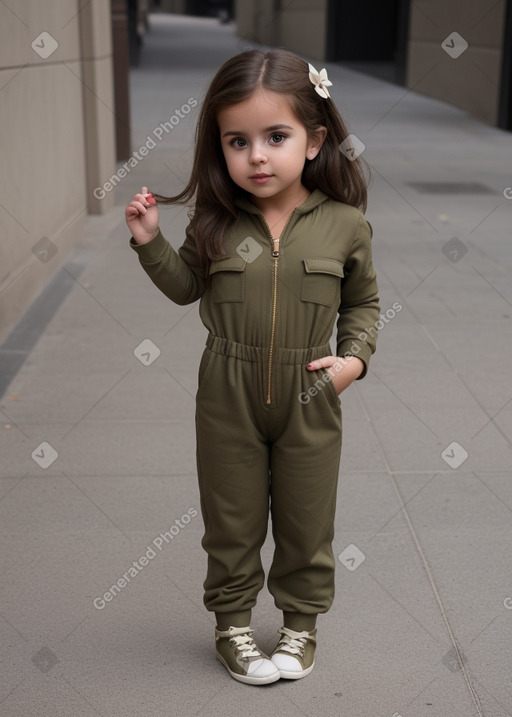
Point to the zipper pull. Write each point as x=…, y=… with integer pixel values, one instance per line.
x=275, y=250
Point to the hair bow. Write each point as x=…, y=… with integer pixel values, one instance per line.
x=320, y=81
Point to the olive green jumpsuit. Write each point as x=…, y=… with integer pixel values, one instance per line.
x=268, y=430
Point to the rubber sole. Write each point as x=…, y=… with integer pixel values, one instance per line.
x=247, y=679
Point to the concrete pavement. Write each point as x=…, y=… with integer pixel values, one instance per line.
x=98, y=484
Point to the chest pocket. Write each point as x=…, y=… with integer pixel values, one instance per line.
x=321, y=283
x=227, y=279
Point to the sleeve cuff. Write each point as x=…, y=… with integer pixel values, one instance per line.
x=153, y=251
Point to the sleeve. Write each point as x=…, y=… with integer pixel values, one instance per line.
x=359, y=308
x=178, y=274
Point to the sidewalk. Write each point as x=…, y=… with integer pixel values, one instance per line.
x=422, y=618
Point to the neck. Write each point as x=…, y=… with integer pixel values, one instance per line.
x=281, y=205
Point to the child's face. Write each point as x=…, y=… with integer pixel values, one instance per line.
x=265, y=147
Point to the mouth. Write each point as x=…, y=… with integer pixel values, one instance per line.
x=260, y=178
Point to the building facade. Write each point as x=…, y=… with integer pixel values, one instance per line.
x=57, y=136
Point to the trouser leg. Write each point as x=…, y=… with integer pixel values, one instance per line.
x=233, y=470
x=304, y=475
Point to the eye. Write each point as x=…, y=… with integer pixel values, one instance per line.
x=239, y=143
x=277, y=138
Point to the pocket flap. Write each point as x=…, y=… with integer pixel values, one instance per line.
x=316, y=265
x=230, y=263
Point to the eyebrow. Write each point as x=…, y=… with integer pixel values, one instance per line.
x=272, y=128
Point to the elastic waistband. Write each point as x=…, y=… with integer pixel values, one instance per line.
x=225, y=347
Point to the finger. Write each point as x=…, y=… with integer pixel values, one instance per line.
x=134, y=211
x=324, y=362
x=146, y=200
x=138, y=206
x=144, y=190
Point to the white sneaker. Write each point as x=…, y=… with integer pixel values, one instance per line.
x=294, y=655
x=242, y=658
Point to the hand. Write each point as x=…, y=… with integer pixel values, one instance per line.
x=141, y=216
x=342, y=370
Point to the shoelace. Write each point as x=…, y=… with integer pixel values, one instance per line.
x=245, y=645
x=295, y=645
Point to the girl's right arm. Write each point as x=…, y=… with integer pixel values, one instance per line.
x=178, y=274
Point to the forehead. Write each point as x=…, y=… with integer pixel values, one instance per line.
x=262, y=109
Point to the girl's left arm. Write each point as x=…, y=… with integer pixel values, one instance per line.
x=357, y=325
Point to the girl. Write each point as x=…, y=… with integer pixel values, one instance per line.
x=277, y=247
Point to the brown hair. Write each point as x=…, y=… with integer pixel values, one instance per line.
x=214, y=190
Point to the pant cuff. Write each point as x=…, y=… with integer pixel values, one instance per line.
x=225, y=620
x=299, y=621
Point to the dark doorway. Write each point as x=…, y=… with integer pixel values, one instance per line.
x=369, y=37
x=209, y=8
x=505, y=111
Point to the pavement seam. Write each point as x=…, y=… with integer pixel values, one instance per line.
x=425, y=563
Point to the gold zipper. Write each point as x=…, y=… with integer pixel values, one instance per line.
x=275, y=256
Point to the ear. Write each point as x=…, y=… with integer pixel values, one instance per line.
x=315, y=141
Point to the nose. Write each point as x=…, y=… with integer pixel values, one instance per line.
x=258, y=156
